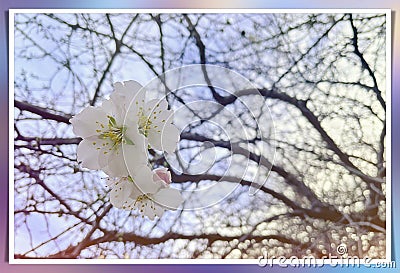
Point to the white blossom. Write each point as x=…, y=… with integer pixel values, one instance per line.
x=147, y=192
x=116, y=136
x=109, y=142
x=153, y=118
x=122, y=188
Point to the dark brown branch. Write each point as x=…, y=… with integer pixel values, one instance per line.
x=43, y=112
x=50, y=141
x=364, y=63
x=381, y=151
x=157, y=19
x=309, y=115
x=131, y=237
x=197, y=178
x=322, y=211
x=88, y=236
x=202, y=52
x=114, y=236
x=118, y=43
x=103, y=77
x=261, y=160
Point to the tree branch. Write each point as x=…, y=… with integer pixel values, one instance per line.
x=364, y=63
x=43, y=112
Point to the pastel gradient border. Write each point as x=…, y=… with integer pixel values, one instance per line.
x=5, y=5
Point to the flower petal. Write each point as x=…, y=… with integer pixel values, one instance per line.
x=88, y=154
x=88, y=121
x=151, y=210
x=125, y=90
x=130, y=204
x=120, y=193
x=154, y=139
x=111, y=181
x=135, y=148
x=168, y=198
x=136, y=192
x=133, y=137
x=163, y=135
x=170, y=136
x=158, y=211
x=155, y=107
x=128, y=94
x=115, y=110
x=114, y=164
x=133, y=159
x=143, y=179
x=125, y=158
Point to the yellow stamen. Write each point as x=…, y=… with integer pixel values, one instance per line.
x=144, y=123
x=113, y=133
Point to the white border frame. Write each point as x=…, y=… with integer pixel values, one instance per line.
x=319, y=262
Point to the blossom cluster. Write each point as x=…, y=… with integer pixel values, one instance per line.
x=116, y=136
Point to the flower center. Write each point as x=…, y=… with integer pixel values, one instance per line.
x=116, y=135
x=143, y=201
x=142, y=198
x=144, y=123
x=113, y=132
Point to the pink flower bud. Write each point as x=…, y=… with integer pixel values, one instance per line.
x=162, y=175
